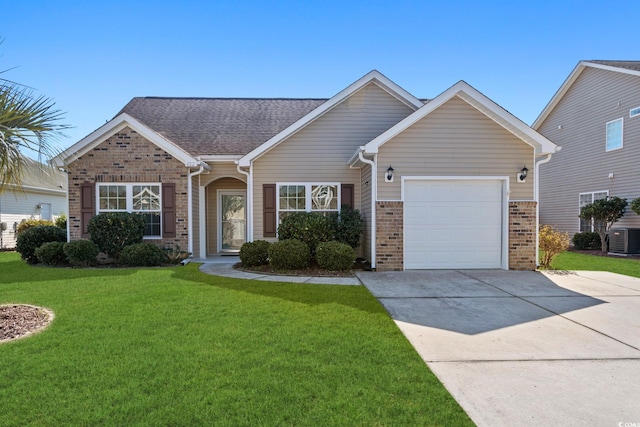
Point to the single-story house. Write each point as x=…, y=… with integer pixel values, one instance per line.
x=42, y=194
x=448, y=183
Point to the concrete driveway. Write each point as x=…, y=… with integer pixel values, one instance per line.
x=524, y=348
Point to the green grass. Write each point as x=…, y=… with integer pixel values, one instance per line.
x=578, y=261
x=172, y=346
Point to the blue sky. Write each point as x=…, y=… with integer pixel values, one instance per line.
x=93, y=57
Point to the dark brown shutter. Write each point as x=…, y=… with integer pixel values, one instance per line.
x=347, y=195
x=269, y=210
x=169, y=210
x=87, y=206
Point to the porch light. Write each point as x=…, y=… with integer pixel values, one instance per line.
x=389, y=175
x=523, y=174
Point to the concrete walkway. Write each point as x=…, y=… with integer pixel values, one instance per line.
x=223, y=266
x=524, y=348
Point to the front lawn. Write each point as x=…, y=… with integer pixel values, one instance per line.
x=173, y=346
x=579, y=261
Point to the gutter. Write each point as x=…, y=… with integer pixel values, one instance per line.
x=536, y=197
x=374, y=196
x=190, y=205
x=249, y=207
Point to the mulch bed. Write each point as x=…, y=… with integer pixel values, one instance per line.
x=20, y=320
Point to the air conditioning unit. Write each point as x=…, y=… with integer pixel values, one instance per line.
x=624, y=240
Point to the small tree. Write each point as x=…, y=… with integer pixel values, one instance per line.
x=552, y=242
x=635, y=205
x=604, y=213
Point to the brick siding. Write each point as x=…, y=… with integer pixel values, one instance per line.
x=522, y=235
x=128, y=157
x=389, y=236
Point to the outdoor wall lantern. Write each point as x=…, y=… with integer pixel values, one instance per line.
x=389, y=175
x=522, y=175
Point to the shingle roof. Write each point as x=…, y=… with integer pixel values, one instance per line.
x=37, y=175
x=629, y=65
x=217, y=126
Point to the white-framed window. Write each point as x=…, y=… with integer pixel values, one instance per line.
x=614, y=134
x=307, y=197
x=586, y=199
x=142, y=198
x=634, y=112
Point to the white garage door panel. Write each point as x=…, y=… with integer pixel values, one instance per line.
x=453, y=224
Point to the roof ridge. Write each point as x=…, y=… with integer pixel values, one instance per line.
x=229, y=98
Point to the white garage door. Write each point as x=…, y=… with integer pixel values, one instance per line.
x=453, y=224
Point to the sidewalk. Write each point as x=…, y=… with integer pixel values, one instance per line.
x=223, y=266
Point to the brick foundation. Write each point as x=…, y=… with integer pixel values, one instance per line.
x=128, y=157
x=389, y=236
x=522, y=235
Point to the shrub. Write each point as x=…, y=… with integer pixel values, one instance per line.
x=255, y=253
x=26, y=224
x=308, y=227
x=635, y=205
x=335, y=256
x=347, y=226
x=81, y=253
x=114, y=230
x=61, y=222
x=289, y=255
x=175, y=255
x=586, y=240
x=604, y=213
x=142, y=255
x=552, y=242
x=32, y=238
x=52, y=253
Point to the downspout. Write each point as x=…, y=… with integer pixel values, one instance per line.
x=374, y=196
x=190, y=207
x=249, y=206
x=536, y=193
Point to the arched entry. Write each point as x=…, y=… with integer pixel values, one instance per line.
x=226, y=201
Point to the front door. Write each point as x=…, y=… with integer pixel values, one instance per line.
x=231, y=220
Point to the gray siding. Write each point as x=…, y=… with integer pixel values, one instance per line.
x=320, y=151
x=583, y=164
x=455, y=140
x=195, y=197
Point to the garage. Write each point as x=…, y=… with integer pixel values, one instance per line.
x=454, y=223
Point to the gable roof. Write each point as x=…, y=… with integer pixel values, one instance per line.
x=480, y=102
x=218, y=126
x=626, y=67
x=373, y=76
x=112, y=127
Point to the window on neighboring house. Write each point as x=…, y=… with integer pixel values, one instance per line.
x=585, y=199
x=137, y=198
x=322, y=198
x=634, y=112
x=614, y=134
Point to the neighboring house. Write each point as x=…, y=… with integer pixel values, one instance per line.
x=595, y=118
x=43, y=195
x=210, y=174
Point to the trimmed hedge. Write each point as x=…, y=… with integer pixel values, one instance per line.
x=142, y=255
x=82, y=253
x=586, y=240
x=113, y=231
x=308, y=227
x=52, y=254
x=31, y=239
x=26, y=224
x=347, y=226
x=289, y=255
x=255, y=253
x=335, y=256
